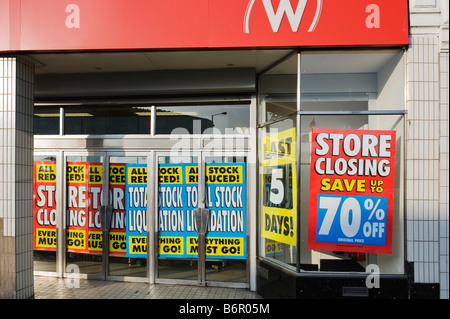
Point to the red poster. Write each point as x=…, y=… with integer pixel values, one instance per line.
x=44, y=206
x=117, y=233
x=352, y=188
x=84, y=199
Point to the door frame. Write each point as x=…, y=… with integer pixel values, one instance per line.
x=63, y=210
x=201, y=162
x=149, y=145
x=152, y=254
x=62, y=227
x=148, y=155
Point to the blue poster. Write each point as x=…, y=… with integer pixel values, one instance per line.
x=226, y=198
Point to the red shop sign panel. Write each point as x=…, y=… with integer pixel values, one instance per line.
x=37, y=25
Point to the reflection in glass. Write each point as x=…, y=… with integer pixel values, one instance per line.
x=278, y=168
x=343, y=81
x=178, y=254
x=203, y=119
x=107, y=120
x=46, y=120
x=278, y=91
x=170, y=267
x=278, y=185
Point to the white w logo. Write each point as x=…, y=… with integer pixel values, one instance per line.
x=284, y=7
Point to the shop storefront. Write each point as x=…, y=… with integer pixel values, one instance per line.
x=331, y=174
x=252, y=144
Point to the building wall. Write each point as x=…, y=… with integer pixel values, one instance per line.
x=427, y=187
x=16, y=178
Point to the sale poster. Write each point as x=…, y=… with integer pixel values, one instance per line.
x=44, y=206
x=225, y=198
x=352, y=190
x=279, y=187
x=136, y=210
x=226, y=195
x=95, y=191
x=117, y=232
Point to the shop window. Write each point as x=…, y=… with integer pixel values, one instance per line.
x=107, y=120
x=278, y=164
x=198, y=118
x=203, y=119
x=97, y=120
x=278, y=91
x=349, y=161
x=46, y=120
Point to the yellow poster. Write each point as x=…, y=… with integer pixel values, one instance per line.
x=279, y=187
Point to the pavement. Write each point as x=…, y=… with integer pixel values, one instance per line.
x=60, y=288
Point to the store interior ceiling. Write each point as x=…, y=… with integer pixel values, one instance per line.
x=361, y=61
x=94, y=62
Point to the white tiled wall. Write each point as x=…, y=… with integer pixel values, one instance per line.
x=422, y=181
x=427, y=187
x=16, y=184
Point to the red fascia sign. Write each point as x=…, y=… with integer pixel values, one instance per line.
x=352, y=187
x=48, y=25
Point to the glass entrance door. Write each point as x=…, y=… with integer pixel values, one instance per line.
x=217, y=185
x=129, y=228
x=46, y=198
x=119, y=224
x=226, y=199
x=97, y=228
x=177, y=194
x=83, y=199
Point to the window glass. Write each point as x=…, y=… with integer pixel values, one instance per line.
x=278, y=163
x=348, y=219
x=127, y=248
x=46, y=120
x=278, y=91
x=352, y=81
x=278, y=192
x=351, y=191
x=351, y=213
x=107, y=120
x=83, y=233
x=203, y=119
